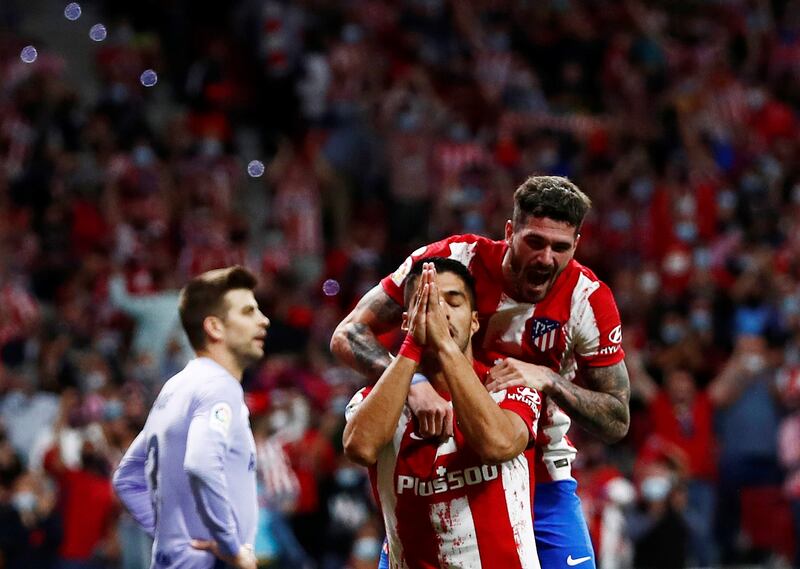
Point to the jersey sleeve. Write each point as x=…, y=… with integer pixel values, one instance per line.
x=525, y=402
x=598, y=337
x=459, y=247
x=207, y=445
x=355, y=402
x=130, y=485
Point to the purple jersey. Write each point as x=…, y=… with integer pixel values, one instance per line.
x=190, y=474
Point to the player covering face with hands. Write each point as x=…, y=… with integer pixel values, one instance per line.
x=458, y=501
x=545, y=319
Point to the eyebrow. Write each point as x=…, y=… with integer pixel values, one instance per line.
x=552, y=242
x=454, y=292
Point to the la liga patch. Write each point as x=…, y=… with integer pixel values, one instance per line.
x=221, y=417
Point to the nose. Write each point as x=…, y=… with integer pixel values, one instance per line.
x=266, y=323
x=546, y=256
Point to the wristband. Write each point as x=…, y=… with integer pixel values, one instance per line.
x=418, y=378
x=410, y=349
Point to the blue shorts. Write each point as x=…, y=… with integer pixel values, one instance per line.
x=562, y=537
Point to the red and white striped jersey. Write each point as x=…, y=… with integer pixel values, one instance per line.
x=576, y=324
x=442, y=507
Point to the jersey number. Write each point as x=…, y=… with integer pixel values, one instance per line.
x=151, y=470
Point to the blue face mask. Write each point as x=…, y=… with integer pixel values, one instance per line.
x=701, y=320
x=24, y=501
x=348, y=477
x=686, y=231
x=672, y=333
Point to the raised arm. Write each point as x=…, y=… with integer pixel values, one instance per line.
x=355, y=340
x=372, y=419
x=496, y=434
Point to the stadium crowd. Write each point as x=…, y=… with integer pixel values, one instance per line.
x=383, y=126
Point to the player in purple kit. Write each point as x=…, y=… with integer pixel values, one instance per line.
x=189, y=477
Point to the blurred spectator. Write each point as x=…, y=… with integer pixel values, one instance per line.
x=30, y=526
x=683, y=416
x=745, y=392
x=89, y=533
x=24, y=409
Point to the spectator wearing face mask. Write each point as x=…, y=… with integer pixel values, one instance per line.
x=681, y=415
x=745, y=397
x=658, y=526
x=30, y=526
x=89, y=541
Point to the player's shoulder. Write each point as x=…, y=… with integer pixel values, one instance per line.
x=463, y=248
x=207, y=378
x=586, y=281
x=355, y=401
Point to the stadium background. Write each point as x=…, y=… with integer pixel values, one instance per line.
x=382, y=126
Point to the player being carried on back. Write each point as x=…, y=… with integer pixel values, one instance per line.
x=544, y=318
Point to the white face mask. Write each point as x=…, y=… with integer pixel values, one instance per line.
x=754, y=363
x=24, y=501
x=655, y=488
x=278, y=420
x=366, y=548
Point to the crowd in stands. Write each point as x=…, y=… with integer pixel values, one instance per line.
x=385, y=125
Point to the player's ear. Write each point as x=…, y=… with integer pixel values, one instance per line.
x=509, y=230
x=213, y=327
x=577, y=240
x=475, y=324
x=404, y=323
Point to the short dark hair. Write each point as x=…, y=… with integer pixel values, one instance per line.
x=442, y=265
x=204, y=296
x=554, y=197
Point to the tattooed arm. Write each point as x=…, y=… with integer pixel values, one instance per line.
x=601, y=408
x=355, y=340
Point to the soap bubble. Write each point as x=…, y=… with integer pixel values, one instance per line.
x=255, y=168
x=148, y=78
x=98, y=32
x=28, y=54
x=331, y=287
x=73, y=11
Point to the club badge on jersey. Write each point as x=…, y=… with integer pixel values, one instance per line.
x=544, y=333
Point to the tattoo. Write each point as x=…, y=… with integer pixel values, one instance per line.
x=355, y=341
x=370, y=357
x=602, y=409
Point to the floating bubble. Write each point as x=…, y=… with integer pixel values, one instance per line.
x=73, y=11
x=28, y=54
x=331, y=287
x=148, y=78
x=255, y=168
x=98, y=32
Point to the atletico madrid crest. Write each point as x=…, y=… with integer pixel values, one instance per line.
x=544, y=333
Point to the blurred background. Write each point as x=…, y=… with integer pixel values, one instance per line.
x=318, y=142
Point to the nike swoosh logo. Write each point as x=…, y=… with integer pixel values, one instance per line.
x=415, y=436
x=572, y=562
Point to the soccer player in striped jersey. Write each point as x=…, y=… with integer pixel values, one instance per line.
x=546, y=319
x=463, y=500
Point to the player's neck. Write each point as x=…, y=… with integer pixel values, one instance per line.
x=225, y=358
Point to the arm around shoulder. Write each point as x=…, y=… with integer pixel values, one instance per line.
x=355, y=340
